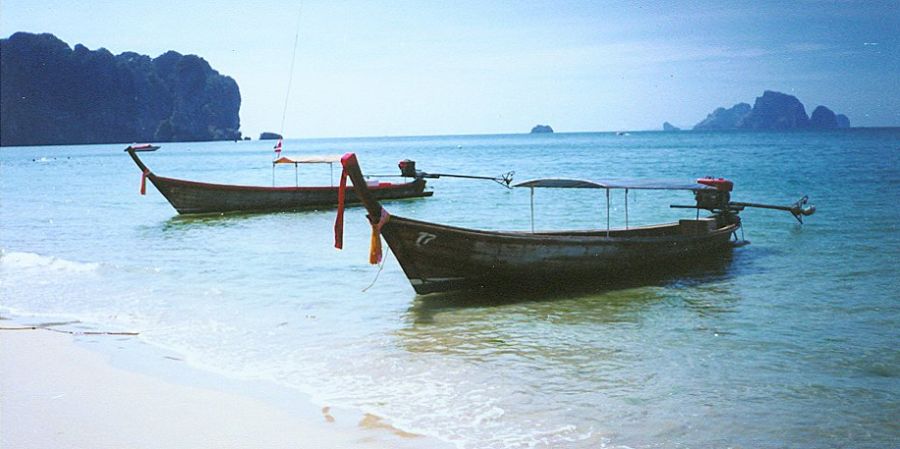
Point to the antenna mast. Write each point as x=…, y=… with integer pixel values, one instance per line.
x=291, y=74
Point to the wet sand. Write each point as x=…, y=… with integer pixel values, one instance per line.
x=57, y=393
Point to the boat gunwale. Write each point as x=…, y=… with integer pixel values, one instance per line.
x=213, y=186
x=570, y=236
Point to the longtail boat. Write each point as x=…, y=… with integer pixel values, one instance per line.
x=437, y=257
x=192, y=197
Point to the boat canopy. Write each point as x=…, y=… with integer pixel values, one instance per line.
x=330, y=160
x=645, y=184
x=704, y=184
x=308, y=160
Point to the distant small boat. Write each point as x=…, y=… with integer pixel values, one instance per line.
x=437, y=257
x=192, y=197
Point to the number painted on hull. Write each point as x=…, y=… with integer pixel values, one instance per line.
x=425, y=238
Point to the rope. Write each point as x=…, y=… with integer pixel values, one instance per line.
x=291, y=74
x=380, y=267
x=61, y=331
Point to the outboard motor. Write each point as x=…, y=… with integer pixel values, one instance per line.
x=712, y=200
x=408, y=168
x=718, y=201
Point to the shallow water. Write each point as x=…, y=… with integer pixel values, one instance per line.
x=790, y=342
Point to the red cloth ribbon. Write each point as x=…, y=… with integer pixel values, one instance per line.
x=339, y=221
x=347, y=159
x=375, y=244
x=144, y=182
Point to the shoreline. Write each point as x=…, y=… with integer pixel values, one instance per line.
x=96, y=391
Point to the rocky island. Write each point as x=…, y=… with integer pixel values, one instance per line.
x=773, y=111
x=824, y=118
x=723, y=118
x=51, y=94
x=670, y=127
x=541, y=129
x=269, y=136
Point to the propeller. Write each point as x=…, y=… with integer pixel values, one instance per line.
x=802, y=208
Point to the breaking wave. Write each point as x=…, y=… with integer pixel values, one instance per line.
x=30, y=261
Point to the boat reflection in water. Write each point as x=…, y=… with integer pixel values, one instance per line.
x=605, y=299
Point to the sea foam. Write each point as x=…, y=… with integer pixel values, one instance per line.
x=31, y=261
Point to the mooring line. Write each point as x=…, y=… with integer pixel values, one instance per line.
x=380, y=267
x=62, y=331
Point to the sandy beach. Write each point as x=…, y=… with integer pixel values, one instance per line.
x=58, y=394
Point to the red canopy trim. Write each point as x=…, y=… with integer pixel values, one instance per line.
x=308, y=160
x=720, y=184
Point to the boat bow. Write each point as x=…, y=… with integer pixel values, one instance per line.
x=378, y=215
x=145, y=172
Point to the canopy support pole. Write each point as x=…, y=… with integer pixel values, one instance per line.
x=607, y=212
x=296, y=176
x=273, y=174
x=626, y=208
x=532, y=210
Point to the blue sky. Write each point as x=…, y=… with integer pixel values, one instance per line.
x=375, y=68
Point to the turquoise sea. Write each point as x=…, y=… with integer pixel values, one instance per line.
x=793, y=341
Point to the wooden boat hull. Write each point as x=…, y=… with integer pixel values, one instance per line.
x=190, y=197
x=440, y=258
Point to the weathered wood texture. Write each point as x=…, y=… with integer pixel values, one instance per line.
x=439, y=258
x=191, y=197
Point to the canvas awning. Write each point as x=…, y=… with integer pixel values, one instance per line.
x=308, y=160
x=645, y=184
